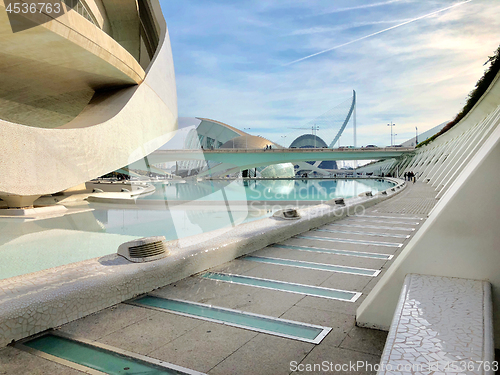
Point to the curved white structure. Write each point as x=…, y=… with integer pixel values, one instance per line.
x=122, y=61
x=461, y=237
x=213, y=135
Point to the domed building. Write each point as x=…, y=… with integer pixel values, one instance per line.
x=312, y=141
x=282, y=170
x=211, y=134
x=308, y=141
x=249, y=141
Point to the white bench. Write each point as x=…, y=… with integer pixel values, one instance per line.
x=441, y=325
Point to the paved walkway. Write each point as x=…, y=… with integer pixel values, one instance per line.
x=420, y=201
x=220, y=349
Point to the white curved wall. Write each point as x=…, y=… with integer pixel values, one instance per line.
x=114, y=130
x=460, y=237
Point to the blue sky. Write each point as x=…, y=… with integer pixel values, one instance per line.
x=236, y=62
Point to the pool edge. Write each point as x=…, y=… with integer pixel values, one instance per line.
x=74, y=291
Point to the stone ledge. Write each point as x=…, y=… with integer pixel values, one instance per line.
x=440, y=322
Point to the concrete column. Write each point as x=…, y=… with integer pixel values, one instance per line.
x=19, y=201
x=466, y=138
x=415, y=162
x=454, y=153
x=442, y=163
x=466, y=156
x=440, y=152
x=436, y=152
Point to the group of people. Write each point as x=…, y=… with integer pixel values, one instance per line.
x=268, y=147
x=410, y=176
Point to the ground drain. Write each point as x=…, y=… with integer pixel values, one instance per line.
x=95, y=358
x=309, y=290
x=254, y=322
x=314, y=266
x=336, y=252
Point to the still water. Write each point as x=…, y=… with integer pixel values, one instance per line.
x=175, y=210
x=268, y=190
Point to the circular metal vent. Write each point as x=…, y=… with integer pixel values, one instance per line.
x=340, y=201
x=144, y=249
x=366, y=194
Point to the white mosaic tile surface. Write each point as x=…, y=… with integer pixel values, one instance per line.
x=439, y=327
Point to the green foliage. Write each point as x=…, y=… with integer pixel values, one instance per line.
x=474, y=96
x=427, y=141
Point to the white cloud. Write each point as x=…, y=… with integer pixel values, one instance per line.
x=378, y=32
x=416, y=75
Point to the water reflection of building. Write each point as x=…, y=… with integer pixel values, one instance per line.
x=200, y=189
x=282, y=170
x=312, y=141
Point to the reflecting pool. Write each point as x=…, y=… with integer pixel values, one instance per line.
x=175, y=210
x=268, y=190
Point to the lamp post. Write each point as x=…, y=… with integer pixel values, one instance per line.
x=416, y=136
x=391, y=125
x=314, y=129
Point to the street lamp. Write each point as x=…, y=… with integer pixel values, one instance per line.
x=314, y=129
x=391, y=125
x=416, y=136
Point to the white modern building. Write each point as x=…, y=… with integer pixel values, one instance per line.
x=412, y=142
x=211, y=134
x=460, y=238
x=82, y=94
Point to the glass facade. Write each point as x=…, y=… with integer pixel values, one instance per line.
x=149, y=33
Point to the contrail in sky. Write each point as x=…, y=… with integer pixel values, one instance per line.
x=378, y=32
x=339, y=10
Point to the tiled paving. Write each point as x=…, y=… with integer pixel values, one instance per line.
x=419, y=202
x=220, y=349
x=457, y=324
